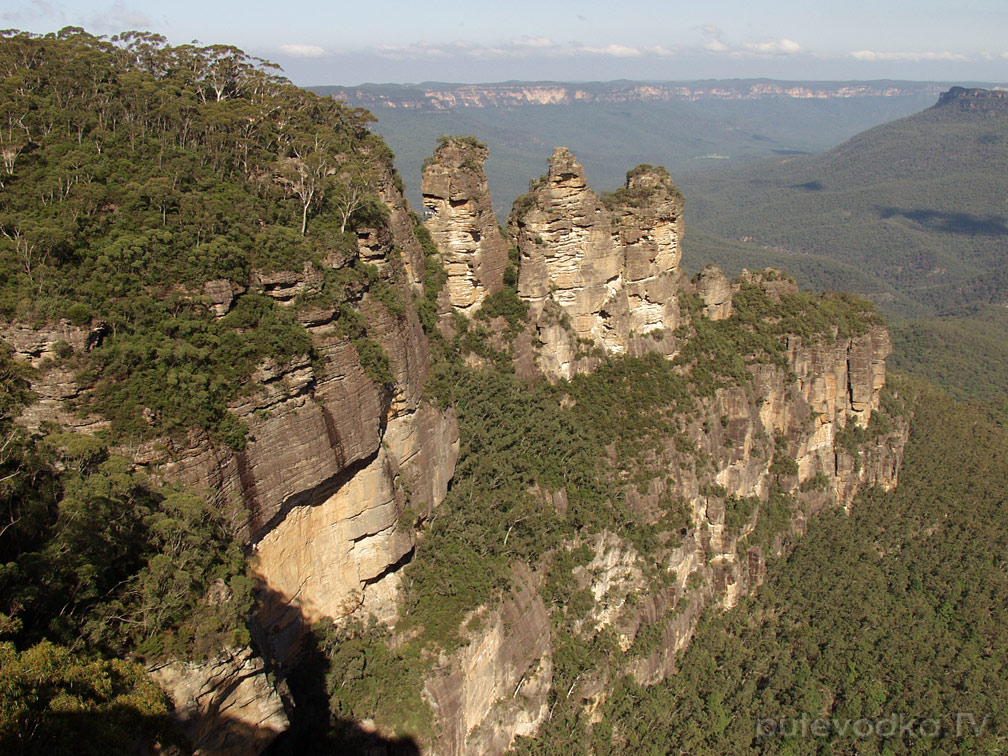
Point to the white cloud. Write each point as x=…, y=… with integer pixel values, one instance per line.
x=524, y=47
x=773, y=47
x=539, y=42
x=616, y=51
x=713, y=42
x=303, y=51
x=912, y=57
x=416, y=50
x=118, y=17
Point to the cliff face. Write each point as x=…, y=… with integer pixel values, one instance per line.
x=461, y=222
x=225, y=706
x=715, y=561
x=335, y=459
x=605, y=275
x=436, y=97
x=975, y=100
x=610, y=270
x=332, y=460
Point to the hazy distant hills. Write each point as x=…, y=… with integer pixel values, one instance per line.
x=919, y=205
x=913, y=213
x=691, y=127
x=437, y=96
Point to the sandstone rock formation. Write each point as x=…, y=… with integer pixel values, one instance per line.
x=226, y=706
x=716, y=292
x=333, y=460
x=341, y=557
x=461, y=221
x=794, y=411
x=495, y=687
x=599, y=274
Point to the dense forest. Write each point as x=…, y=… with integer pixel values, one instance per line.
x=136, y=172
x=885, y=626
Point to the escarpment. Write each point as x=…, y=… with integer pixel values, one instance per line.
x=478, y=523
x=781, y=413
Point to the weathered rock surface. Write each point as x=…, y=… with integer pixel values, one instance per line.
x=716, y=292
x=494, y=688
x=460, y=218
x=54, y=383
x=226, y=706
x=795, y=411
x=611, y=269
x=341, y=556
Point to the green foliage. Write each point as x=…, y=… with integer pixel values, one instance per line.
x=634, y=194
x=910, y=213
x=895, y=609
x=176, y=369
x=738, y=512
x=110, y=560
x=506, y=304
x=367, y=679
x=57, y=701
x=967, y=356
x=138, y=172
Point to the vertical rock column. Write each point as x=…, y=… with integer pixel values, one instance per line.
x=459, y=215
x=609, y=265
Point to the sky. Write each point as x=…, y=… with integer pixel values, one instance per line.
x=319, y=42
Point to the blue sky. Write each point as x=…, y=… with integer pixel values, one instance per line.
x=339, y=42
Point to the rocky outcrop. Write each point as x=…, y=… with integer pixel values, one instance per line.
x=494, y=688
x=341, y=557
x=713, y=287
x=599, y=274
x=226, y=706
x=974, y=100
x=459, y=215
x=55, y=382
x=438, y=97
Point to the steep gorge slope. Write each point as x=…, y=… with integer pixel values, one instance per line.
x=592, y=519
x=255, y=407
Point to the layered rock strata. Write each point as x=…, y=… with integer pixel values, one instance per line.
x=226, y=706
x=794, y=411
x=599, y=274
x=459, y=215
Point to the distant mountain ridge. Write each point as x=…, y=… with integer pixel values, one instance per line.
x=911, y=213
x=436, y=96
x=984, y=100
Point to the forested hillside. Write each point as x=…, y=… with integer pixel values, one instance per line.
x=134, y=173
x=910, y=213
x=221, y=325
x=882, y=632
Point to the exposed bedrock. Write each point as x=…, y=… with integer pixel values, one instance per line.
x=459, y=215
x=605, y=269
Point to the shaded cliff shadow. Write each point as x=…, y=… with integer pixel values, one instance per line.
x=315, y=730
x=119, y=729
x=950, y=222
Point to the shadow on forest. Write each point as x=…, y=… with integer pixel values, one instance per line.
x=315, y=730
x=950, y=222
